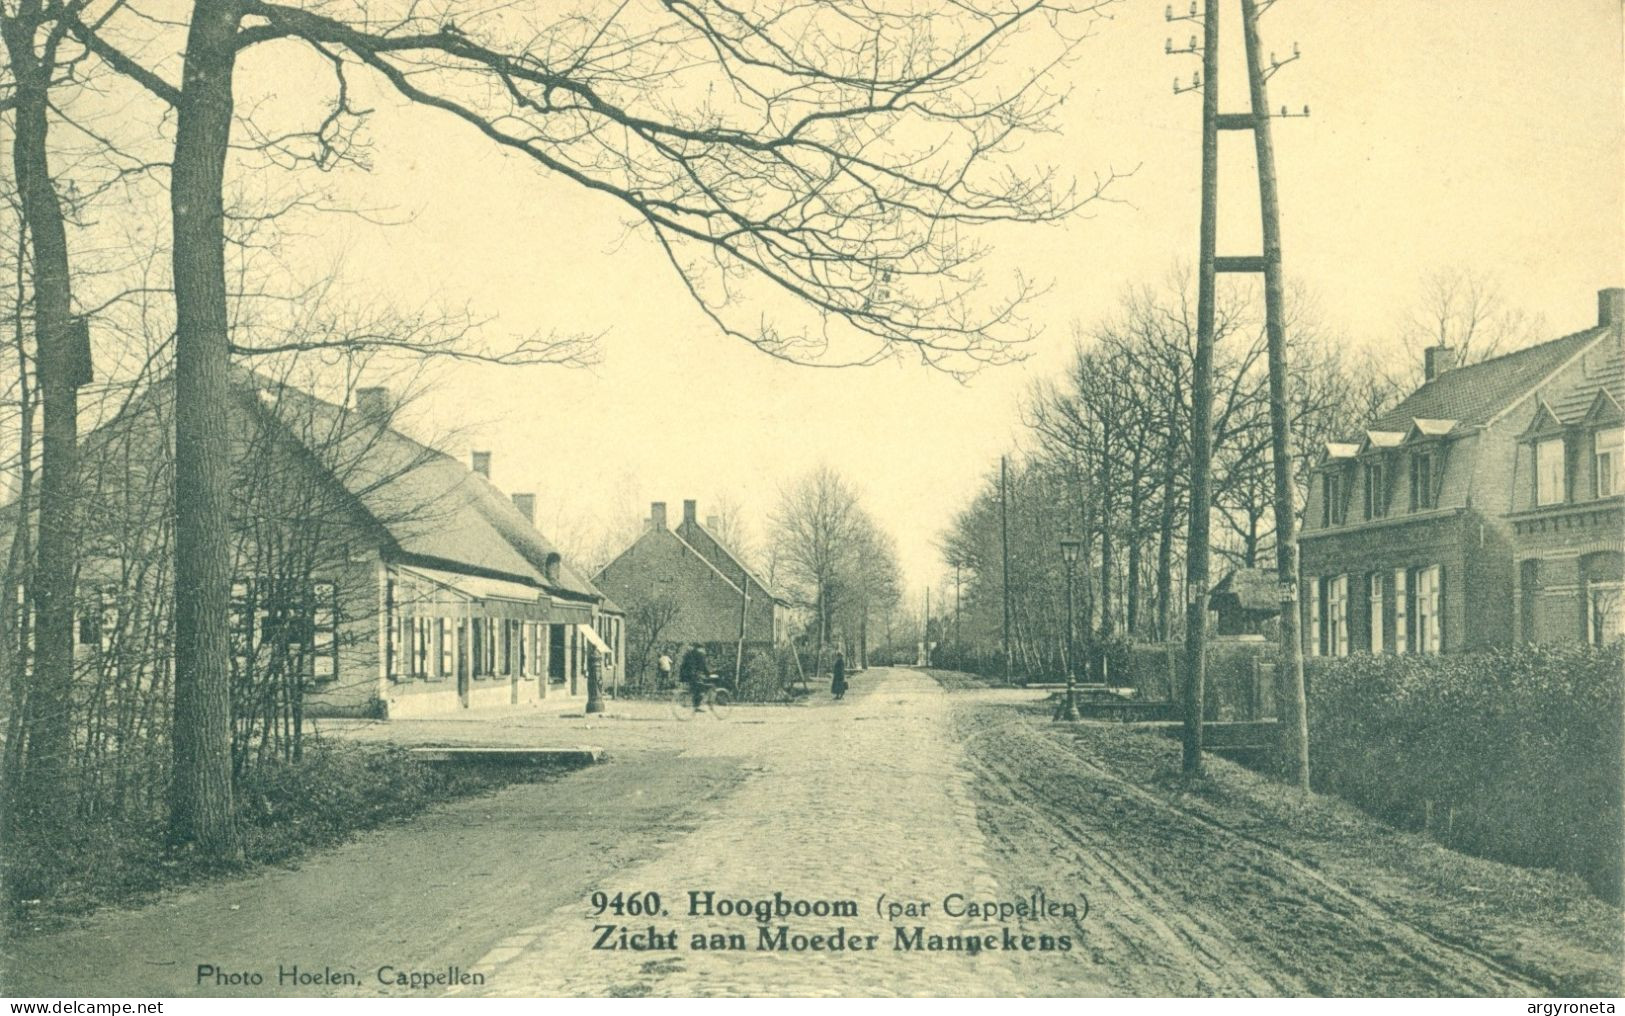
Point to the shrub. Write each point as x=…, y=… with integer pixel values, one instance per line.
x=1514, y=754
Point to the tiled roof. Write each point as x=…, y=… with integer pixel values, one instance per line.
x=431, y=505
x=1251, y=588
x=729, y=557
x=1472, y=395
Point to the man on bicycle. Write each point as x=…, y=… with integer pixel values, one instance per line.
x=696, y=673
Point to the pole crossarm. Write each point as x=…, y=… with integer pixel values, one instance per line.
x=1268, y=264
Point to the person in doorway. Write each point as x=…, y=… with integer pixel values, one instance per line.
x=837, y=684
x=663, y=671
x=696, y=673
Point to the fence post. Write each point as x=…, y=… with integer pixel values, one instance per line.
x=1256, y=677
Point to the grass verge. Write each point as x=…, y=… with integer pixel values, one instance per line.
x=284, y=811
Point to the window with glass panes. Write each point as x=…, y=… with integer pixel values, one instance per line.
x=1549, y=471
x=1605, y=460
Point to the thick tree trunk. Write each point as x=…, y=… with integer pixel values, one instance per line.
x=43, y=781
x=201, y=813
x=1165, y=535
x=19, y=562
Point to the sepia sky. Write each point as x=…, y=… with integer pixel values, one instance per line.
x=1483, y=134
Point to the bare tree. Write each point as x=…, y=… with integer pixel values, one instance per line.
x=1467, y=310
x=647, y=621
x=876, y=583
x=814, y=528
x=33, y=38
x=770, y=153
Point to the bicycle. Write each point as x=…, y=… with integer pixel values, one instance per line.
x=714, y=698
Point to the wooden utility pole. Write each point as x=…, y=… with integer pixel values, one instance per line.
x=1196, y=556
x=925, y=634
x=1295, y=725
x=1004, y=546
x=744, y=613
x=956, y=607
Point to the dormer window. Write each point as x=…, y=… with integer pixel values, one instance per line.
x=1331, y=509
x=1605, y=462
x=1421, y=481
x=1549, y=471
x=1376, y=490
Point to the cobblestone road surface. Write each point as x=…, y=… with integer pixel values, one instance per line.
x=902, y=790
x=843, y=801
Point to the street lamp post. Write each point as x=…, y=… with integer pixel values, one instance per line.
x=1069, y=557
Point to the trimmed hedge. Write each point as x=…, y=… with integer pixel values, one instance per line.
x=1513, y=755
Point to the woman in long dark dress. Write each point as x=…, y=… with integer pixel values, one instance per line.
x=837, y=685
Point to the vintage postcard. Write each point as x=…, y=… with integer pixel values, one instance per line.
x=790, y=498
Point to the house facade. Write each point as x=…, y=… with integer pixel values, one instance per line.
x=1481, y=510
x=688, y=584
x=377, y=574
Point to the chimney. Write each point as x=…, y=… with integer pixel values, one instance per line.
x=1436, y=360
x=480, y=462
x=1610, y=307
x=657, y=515
x=691, y=511
x=373, y=404
x=526, y=503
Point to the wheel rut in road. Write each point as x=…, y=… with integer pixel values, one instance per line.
x=846, y=800
x=1185, y=904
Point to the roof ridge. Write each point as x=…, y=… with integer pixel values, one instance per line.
x=735, y=558
x=708, y=562
x=1590, y=334
x=1480, y=393
x=1533, y=347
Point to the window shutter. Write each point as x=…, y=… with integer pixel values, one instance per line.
x=1314, y=617
x=1342, y=615
x=1374, y=599
x=1435, y=601
x=1400, y=620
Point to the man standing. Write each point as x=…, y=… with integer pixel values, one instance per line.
x=663, y=671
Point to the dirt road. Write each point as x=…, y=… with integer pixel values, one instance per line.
x=1239, y=887
x=893, y=817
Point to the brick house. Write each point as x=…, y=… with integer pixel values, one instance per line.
x=690, y=585
x=386, y=577
x=1483, y=509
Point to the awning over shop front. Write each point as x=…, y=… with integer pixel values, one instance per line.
x=594, y=638
x=494, y=597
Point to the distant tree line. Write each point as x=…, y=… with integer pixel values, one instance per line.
x=1107, y=457
x=838, y=567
